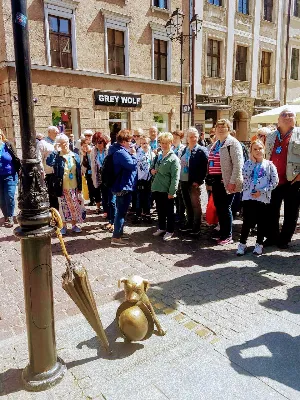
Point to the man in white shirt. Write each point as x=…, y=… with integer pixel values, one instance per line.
x=45, y=147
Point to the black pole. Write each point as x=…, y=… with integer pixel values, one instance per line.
x=44, y=369
x=181, y=77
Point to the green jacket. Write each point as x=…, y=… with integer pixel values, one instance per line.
x=168, y=172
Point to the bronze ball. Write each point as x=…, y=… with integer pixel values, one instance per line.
x=133, y=323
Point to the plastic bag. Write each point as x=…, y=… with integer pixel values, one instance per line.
x=211, y=212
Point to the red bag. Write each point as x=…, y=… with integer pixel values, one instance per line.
x=211, y=212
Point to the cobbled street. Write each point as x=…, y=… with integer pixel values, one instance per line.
x=212, y=294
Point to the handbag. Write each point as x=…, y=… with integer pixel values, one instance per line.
x=211, y=212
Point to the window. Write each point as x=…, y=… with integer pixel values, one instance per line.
x=295, y=64
x=213, y=58
x=160, y=59
x=297, y=8
x=116, y=52
x=268, y=10
x=160, y=3
x=60, y=42
x=116, y=27
x=162, y=122
x=60, y=34
x=265, y=74
x=241, y=63
x=243, y=6
x=215, y=2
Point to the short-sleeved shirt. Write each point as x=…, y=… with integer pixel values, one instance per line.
x=280, y=159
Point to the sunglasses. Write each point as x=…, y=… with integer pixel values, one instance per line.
x=287, y=114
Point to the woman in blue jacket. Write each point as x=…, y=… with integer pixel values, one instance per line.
x=125, y=171
x=67, y=170
x=193, y=171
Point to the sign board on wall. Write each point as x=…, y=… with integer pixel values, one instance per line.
x=211, y=100
x=117, y=99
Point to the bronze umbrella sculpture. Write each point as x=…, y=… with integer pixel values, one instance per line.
x=77, y=285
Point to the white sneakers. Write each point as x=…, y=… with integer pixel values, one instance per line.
x=159, y=232
x=241, y=250
x=167, y=235
x=258, y=249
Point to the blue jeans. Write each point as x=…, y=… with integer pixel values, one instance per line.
x=223, y=203
x=111, y=206
x=8, y=184
x=122, y=205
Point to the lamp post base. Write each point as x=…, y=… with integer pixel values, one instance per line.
x=45, y=380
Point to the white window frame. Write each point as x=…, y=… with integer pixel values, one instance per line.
x=159, y=8
x=118, y=22
x=63, y=9
x=159, y=33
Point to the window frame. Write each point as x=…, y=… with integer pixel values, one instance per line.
x=64, y=11
x=261, y=67
x=241, y=62
x=159, y=33
x=212, y=2
x=61, y=35
x=212, y=55
x=119, y=24
x=160, y=8
x=115, y=47
x=296, y=8
x=291, y=69
x=247, y=4
x=266, y=6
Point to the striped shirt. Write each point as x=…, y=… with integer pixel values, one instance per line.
x=214, y=164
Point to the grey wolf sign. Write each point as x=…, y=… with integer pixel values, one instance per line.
x=117, y=99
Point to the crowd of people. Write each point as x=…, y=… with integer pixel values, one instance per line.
x=145, y=168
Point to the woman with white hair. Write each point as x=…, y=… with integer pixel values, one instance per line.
x=192, y=174
x=166, y=172
x=67, y=171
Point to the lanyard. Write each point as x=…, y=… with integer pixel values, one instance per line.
x=100, y=158
x=69, y=163
x=217, y=147
x=148, y=156
x=1, y=149
x=49, y=140
x=153, y=144
x=256, y=171
x=176, y=149
x=282, y=138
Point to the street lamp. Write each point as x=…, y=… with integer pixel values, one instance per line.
x=174, y=29
x=45, y=369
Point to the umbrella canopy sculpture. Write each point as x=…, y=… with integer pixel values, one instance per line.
x=271, y=116
x=77, y=285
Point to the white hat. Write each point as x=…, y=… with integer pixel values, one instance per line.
x=88, y=132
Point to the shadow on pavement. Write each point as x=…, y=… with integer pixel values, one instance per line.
x=274, y=355
x=291, y=304
x=11, y=381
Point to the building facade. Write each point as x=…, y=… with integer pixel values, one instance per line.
x=238, y=61
x=290, y=83
x=100, y=65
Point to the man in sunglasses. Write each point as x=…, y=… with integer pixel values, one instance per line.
x=283, y=149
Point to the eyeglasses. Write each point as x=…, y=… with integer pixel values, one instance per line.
x=287, y=114
x=136, y=135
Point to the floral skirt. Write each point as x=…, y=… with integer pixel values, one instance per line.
x=69, y=207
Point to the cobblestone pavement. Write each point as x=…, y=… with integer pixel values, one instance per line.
x=230, y=303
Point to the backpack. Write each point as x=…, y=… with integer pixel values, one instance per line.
x=108, y=174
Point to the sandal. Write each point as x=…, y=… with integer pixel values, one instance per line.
x=111, y=229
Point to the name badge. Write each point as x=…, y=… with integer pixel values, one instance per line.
x=90, y=172
x=278, y=150
x=186, y=170
x=211, y=163
x=71, y=176
x=253, y=191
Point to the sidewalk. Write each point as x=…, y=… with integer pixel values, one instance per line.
x=183, y=365
x=233, y=323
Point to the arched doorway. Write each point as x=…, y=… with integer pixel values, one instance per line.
x=241, y=124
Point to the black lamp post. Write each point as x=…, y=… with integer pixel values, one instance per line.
x=45, y=369
x=174, y=28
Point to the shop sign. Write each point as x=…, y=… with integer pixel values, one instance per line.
x=117, y=99
x=211, y=100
